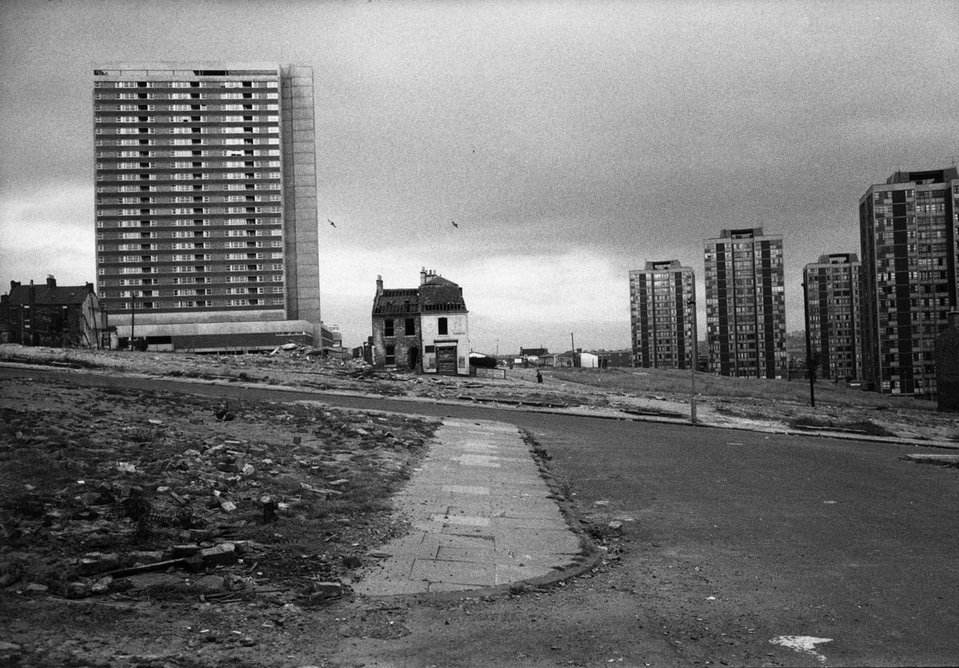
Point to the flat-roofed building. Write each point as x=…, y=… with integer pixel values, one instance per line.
x=745, y=304
x=908, y=240
x=206, y=227
x=662, y=299
x=832, y=308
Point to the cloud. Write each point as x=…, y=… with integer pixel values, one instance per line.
x=48, y=230
x=517, y=298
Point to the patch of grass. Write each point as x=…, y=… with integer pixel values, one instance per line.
x=677, y=382
x=867, y=427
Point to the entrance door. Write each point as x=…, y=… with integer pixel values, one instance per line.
x=446, y=360
x=414, y=358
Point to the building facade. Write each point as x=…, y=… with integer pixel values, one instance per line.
x=424, y=329
x=947, y=366
x=48, y=314
x=833, y=315
x=908, y=237
x=663, y=315
x=206, y=203
x=578, y=358
x=745, y=304
x=614, y=358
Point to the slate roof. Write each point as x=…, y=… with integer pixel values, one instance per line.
x=396, y=302
x=44, y=294
x=440, y=294
x=435, y=294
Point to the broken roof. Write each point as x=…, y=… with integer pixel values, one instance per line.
x=49, y=295
x=435, y=294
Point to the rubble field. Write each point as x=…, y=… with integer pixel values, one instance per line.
x=127, y=504
x=749, y=403
x=145, y=528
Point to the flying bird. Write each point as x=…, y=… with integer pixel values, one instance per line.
x=331, y=222
x=454, y=224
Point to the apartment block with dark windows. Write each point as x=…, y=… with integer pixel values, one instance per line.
x=206, y=203
x=662, y=315
x=833, y=314
x=745, y=304
x=908, y=238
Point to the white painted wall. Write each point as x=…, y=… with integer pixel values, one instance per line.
x=457, y=328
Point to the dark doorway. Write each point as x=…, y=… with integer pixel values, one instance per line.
x=414, y=358
x=446, y=360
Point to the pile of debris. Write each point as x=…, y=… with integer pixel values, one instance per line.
x=124, y=493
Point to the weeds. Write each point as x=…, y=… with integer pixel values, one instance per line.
x=856, y=426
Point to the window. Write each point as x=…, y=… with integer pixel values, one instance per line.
x=390, y=353
x=441, y=326
x=410, y=327
x=388, y=328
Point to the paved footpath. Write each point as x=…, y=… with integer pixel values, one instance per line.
x=481, y=516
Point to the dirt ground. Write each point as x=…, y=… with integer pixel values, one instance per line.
x=724, y=402
x=221, y=526
x=142, y=529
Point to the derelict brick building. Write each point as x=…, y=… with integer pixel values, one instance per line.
x=423, y=329
x=48, y=314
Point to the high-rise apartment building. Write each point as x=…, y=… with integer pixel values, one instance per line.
x=206, y=203
x=745, y=304
x=832, y=311
x=663, y=315
x=908, y=236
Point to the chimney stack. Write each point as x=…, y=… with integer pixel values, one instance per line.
x=379, y=285
x=51, y=281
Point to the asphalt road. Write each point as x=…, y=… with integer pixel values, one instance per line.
x=731, y=539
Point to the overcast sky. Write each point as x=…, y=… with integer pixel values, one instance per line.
x=570, y=141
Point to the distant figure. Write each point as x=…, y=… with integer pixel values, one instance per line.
x=539, y=376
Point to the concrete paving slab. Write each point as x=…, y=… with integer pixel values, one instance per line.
x=474, y=573
x=481, y=513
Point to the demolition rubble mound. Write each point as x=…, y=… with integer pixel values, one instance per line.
x=147, y=495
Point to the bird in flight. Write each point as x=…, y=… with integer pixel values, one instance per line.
x=454, y=224
x=331, y=222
